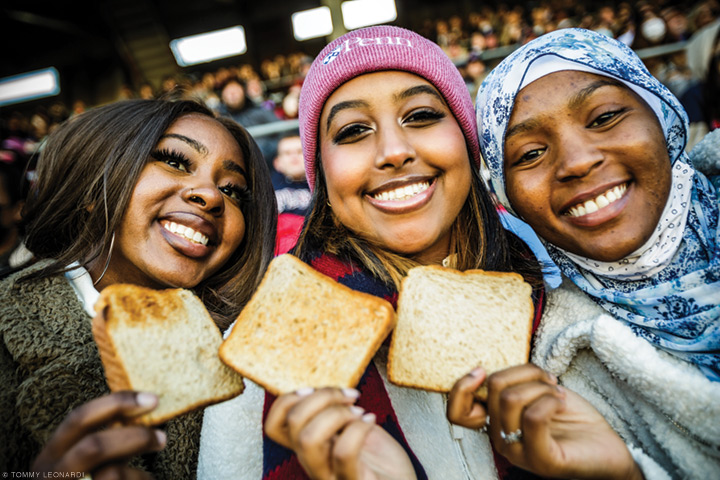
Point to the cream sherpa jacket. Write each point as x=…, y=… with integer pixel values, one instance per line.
x=653, y=400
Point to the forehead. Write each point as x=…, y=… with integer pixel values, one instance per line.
x=371, y=87
x=565, y=89
x=206, y=132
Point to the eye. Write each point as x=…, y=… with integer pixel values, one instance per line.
x=605, y=118
x=424, y=116
x=350, y=133
x=235, y=192
x=172, y=158
x=529, y=156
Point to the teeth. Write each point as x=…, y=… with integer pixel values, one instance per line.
x=601, y=201
x=403, y=193
x=187, y=232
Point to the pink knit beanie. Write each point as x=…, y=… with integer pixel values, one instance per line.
x=371, y=50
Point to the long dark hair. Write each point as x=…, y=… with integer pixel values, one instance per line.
x=478, y=239
x=86, y=174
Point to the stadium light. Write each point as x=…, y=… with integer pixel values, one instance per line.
x=206, y=47
x=313, y=23
x=29, y=86
x=363, y=13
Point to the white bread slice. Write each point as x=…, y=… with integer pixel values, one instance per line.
x=164, y=342
x=303, y=329
x=450, y=322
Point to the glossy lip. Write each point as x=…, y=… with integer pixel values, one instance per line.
x=603, y=215
x=182, y=244
x=402, y=206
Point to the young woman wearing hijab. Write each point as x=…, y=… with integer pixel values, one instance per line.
x=588, y=148
x=155, y=193
x=390, y=147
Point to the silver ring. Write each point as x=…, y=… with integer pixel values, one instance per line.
x=484, y=428
x=512, y=437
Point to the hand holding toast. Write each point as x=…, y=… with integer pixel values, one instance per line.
x=542, y=427
x=334, y=439
x=83, y=443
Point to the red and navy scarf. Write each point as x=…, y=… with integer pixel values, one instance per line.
x=280, y=463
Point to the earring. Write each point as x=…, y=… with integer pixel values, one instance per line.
x=107, y=262
x=328, y=204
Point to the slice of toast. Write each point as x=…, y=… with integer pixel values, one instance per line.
x=450, y=322
x=163, y=342
x=303, y=329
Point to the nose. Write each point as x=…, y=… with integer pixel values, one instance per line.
x=394, y=148
x=577, y=157
x=206, y=197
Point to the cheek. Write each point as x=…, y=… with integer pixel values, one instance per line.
x=529, y=195
x=343, y=175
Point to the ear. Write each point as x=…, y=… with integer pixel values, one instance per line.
x=276, y=162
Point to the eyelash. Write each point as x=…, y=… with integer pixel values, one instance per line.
x=171, y=156
x=604, y=118
x=175, y=159
x=423, y=116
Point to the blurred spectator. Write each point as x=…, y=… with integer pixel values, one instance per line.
x=146, y=91
x=12, y=252
x=235, y=104
x=475, y=73
x=703, y=55
x=702, y=14
x=291, y=190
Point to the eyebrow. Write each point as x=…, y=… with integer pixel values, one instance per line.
x=574, y=102
x=197, y=146
x=583, y=94
x=522, y=127
x=234, y=167
x=417, y=90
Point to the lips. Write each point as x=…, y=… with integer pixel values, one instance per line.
x=598, y=202
x=189, y=234
x=402, y=195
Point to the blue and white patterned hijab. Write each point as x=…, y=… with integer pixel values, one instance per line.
x=669, y=290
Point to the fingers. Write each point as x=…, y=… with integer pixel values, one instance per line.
x=348, y=447
x=99, y=412
x=537, y=431
x=462, y=407
x=96, y=449
x=509, y=393
x=78, y=445
x=290, y=412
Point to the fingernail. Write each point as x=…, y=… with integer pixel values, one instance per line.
x=146, y=400
x=560, y=390
x=350, y=393
x=553, y=378
x=368, y=418
x=476, y=372
x=304, y=392
x=357, y=410
x=161, y=437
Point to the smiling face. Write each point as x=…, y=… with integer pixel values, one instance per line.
x=183, y=220
x=395, y=162
x=586, y=164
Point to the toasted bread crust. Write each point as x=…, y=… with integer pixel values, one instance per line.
x=393, y=355
x=274, y=376
x=126, y=308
